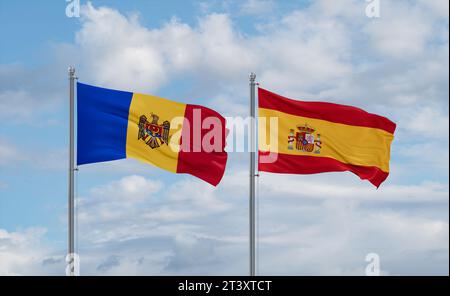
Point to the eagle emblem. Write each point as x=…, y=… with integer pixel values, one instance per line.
x=153, y=133
x=303, y=139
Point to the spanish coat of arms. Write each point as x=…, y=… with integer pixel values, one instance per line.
x=304, y=140
x=153, y=133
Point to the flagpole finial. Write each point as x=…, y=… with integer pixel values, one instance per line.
x=252, y=77
x=71, y=71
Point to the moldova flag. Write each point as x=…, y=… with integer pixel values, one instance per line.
x=177, y=137
x=315, y=137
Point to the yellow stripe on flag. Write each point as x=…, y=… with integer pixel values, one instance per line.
x=162, y=156
x=350, y=144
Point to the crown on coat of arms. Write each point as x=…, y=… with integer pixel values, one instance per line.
x=305, y=128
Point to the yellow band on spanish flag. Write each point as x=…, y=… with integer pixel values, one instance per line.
x=314, y=137
x=349, y=144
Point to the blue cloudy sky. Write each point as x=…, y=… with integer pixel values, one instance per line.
x=139, y=220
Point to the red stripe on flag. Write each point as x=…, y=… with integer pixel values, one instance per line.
x=326, y=111
x=192, y=158
x=302, y=164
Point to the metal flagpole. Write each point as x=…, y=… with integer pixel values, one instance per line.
x=71, y=206
x=252, y=215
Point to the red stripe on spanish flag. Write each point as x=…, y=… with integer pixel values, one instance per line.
x=313, y=165
x=317, y=137
x=325, y=111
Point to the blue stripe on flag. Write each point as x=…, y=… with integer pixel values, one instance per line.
x=101, y=123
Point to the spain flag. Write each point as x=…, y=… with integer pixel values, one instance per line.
x=316, y=137
x=177, y=137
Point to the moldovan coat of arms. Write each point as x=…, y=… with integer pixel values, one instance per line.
x=153, y=133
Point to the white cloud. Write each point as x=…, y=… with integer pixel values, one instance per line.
x=116, y=200
x=343, y=186
x=327, y=229
x=200, y=194
x=134, y=199
x=117, y=51
x=145, y=59
x=439, y=8
x=397, y=34
x=433, y=155
x=24, y=253
x=213, y=51
x=305, y=226
x=309, y=53
x=337, y=242
x=426, y=121
x=129, y=189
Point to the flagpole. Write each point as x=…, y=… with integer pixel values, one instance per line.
x=252, y=203
x=71, y=201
